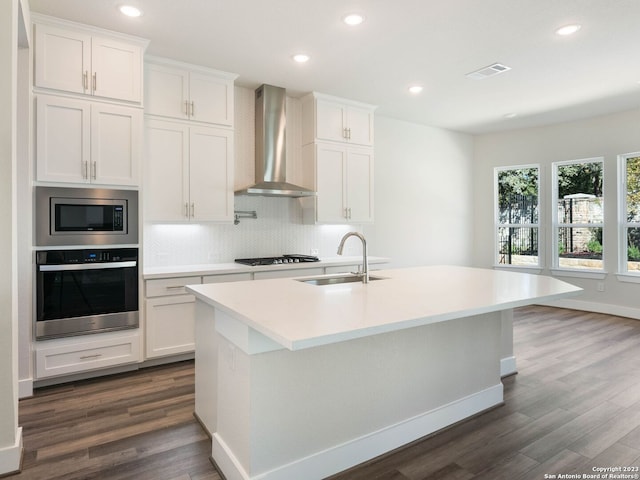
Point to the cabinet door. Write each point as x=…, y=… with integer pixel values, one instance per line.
x=330, y=120
x=170, y=325
x=62, y=59
x=211, y=99
x=62, y=139
x=330, y=183
x=115, y=144
x=167, y=91
x=166, y=177
x=116, y=69
x=360, y=185
x=360, y=125
x=211, y=174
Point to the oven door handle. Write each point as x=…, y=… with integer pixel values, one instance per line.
x=86, y=266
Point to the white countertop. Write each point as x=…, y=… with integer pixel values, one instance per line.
x=225, y=268
x=298, y=315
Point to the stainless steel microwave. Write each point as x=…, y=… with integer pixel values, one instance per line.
x=86, y=216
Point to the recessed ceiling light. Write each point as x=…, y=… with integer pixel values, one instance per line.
x=353, y=19
x=415, y=89
x=130, y=11
x=568, y=29
x=301, y=57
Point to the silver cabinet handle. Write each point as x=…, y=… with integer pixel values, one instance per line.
x=186, y=107
x=85, y=170
x=193, y=210
x=95, y=81
x=192, y=109
x=186, y=209
x=345, y=133
x=174, y=287
x=349, y=133
x=349, y=217
x=88, y=357
x=85, y=80
x=95, y=168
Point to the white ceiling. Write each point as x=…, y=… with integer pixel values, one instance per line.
x=431, y=42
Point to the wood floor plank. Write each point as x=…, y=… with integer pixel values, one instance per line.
x=608, y=434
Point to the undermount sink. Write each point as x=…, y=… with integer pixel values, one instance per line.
x=335, y=280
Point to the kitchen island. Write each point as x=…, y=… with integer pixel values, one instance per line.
x=299, y=381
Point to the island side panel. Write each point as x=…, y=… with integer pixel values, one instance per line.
x=206, y=367
x=507, y=359
x=318, y=411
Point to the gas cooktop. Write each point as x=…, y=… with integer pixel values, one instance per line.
x=284, y=259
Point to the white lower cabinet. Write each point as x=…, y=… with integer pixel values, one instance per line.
x=169, y=316
x=170, y=313
x=84, y=353
x=170, y=325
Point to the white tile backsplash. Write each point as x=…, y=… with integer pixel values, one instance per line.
x=277, y=230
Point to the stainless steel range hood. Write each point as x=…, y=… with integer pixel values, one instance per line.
x=271, y=159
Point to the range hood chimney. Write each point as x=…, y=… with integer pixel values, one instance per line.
x=271, y=159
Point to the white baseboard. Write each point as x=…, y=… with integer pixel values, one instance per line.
x=346, y=455
x=508, y=366
x=25, y=388
x=606, y=308
x=10, y=457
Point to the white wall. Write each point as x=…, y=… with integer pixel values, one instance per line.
x=605, y=136
x=10, y=434
x=423, y=195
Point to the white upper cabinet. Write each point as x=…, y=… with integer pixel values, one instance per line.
x=188, y=172
x=85, y=142
x=338, y=120
x=343, y=181
x=79, y=61
x=188, y=92
x=337, y=154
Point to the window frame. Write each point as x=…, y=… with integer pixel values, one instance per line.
x=537, y=268
x=623, y=269
x=556, y=225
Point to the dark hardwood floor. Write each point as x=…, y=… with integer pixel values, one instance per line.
x=574, y=405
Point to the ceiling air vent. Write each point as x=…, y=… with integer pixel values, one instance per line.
x=489, y=71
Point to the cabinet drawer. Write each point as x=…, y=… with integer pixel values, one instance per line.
x=230, y=277
x=65, y=356
x=298, y=272
x=170, y=286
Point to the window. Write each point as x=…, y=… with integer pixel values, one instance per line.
x=579, y=219
x=517, y=219
x=629, y=169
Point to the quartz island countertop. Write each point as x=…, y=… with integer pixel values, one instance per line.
x=297, y=315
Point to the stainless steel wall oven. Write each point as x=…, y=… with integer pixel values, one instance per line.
x=84, y=291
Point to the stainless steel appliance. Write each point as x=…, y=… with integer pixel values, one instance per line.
x=84, y=291
x=271, y=155
x=86, y=216
x=284, y=259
